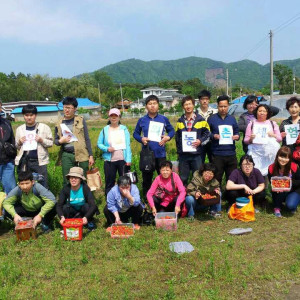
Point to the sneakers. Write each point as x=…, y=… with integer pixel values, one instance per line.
x=214, y=213
x=91, y=226
x=46, y=228
x=277, y=212
x=191, y=218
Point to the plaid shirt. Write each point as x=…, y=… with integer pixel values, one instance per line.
x=189, y=122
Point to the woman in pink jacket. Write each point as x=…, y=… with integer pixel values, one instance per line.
x=167, y=191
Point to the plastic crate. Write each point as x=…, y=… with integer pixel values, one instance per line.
x=122, y=231
x=283, y=183
x=166, y=221
x=25, y=231
x=73, y=229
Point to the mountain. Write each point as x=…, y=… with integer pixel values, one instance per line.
x=246, y=72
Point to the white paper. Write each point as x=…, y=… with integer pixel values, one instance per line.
x=117, y=139
x=226, y=134
x=155, y=131
x=261, y=133
x=67, y=132
x=30, y=143
x=291, y=133
x=187, y=140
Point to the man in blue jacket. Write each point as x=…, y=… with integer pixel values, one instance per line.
x=190, y=122
x=142, y=126
x=223, y=154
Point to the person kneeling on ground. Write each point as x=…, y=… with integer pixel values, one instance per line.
x=203, y=182
x=30, y=199
x=246, y=181
x=76, y=199
x=167, y=191
x=123, y=202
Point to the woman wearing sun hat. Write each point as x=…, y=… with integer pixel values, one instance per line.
x=76, y=199
x=114, y=141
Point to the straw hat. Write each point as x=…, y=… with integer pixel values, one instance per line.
x=76, y=172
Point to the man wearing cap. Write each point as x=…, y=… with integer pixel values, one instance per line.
x=74, y=151
x=114, y=141
x=76, y=199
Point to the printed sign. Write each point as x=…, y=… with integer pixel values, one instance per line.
x=291, y=133
x=117, y=138
x=187, y=140
x=155, y=131
x=226, y=133
x=261, y=133
x=67, y=132
x=30, y=142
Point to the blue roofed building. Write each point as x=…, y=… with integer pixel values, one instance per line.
x=85, y=103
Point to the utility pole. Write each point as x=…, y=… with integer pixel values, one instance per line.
x=122, y=97
x=271, y=67
x=294, y=79
x=227, y=93
x=99, y=95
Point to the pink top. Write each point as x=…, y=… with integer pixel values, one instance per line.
x=267, y=122
x=167, y=184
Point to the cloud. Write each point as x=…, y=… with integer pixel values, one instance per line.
x=32, y=21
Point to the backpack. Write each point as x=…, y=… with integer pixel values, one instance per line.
x=147, y=160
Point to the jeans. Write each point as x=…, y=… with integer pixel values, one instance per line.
x=193, y=205
x=7, y=177
x=188, y=163
x=292, y=200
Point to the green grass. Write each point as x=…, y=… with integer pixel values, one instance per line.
x=262, y=265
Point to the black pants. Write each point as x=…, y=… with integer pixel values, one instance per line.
x=71, y=212
x=160, y=208
x=258, y=199
x=147, y=176
x=224, y=164
x=110, y=171
x=134, y=212
x=188, y=163
x=206, y=149
x=22, y=212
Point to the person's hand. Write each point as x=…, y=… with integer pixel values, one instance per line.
x=37, y=220
x=154, y=211
x=38, y=139
x=91, y=160
x=125, y=193
x=235, y=137
x=110, y=149
x=118, y=220
x=22, y=140
x=84, y=220
x=17, y=219
x=165, y=139
x=248, y=190
x=283, y=134
x=128, y=164
x=197, y=195
x=218, y=191
x=216, y=136
x=196, y=143
x=252, y=137
x=62, y=220
x=65, y=139
x=177, y=210
x=145, y=140
x=271, y=134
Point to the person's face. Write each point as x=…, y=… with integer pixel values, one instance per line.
x=188, y=106
x=294, y=110
x=251, y=107
x=30, y=119
x=69, y=111
x=262, y=114
x=207, y=175
x=283, y=161
x=204, y=102
x=75, y=181
x=223, y=107
x=165, y=172
x=247, y=167
x=124, y=188
x=152, y=107
x=26, y=185
x=114, y=119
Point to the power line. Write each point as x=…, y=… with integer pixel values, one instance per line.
x=287, y=24
x=278, y=27
x=255, y=47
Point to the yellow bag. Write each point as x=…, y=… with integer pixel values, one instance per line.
x=94, y=179
x=2, y=197
x=245, y=214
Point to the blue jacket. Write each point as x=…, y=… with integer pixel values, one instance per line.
x=214, y=121
x=115, y=201
x=104, y=145
x=142, y=126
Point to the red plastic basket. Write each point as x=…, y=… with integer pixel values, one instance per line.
x=73, y=229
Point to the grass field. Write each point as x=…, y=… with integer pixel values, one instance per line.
x=262, y=265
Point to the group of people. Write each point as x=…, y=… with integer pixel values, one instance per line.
x=210, y=133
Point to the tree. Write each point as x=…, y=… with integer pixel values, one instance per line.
x=284, y=75
x=104, y=80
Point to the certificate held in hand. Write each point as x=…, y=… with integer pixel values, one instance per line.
x=188, y=138
x=155, y=131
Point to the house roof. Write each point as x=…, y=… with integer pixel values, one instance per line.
x=152, y=88
x=170, y=94
x=48, y=108
x=83, y=102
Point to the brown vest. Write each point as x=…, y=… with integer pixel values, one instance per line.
x=80, y=149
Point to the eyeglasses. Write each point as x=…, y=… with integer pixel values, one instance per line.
x=247, y=165
x=68, y=108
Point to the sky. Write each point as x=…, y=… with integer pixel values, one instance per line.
x=64, y=38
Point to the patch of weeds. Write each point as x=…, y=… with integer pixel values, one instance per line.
x=212, y=293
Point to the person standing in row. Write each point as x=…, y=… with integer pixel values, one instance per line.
x=142, y=126
x=224, y=133
x=114, y=141
x=205, y=111
x=38, y=138
x=190, y=160
x=76, y=149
